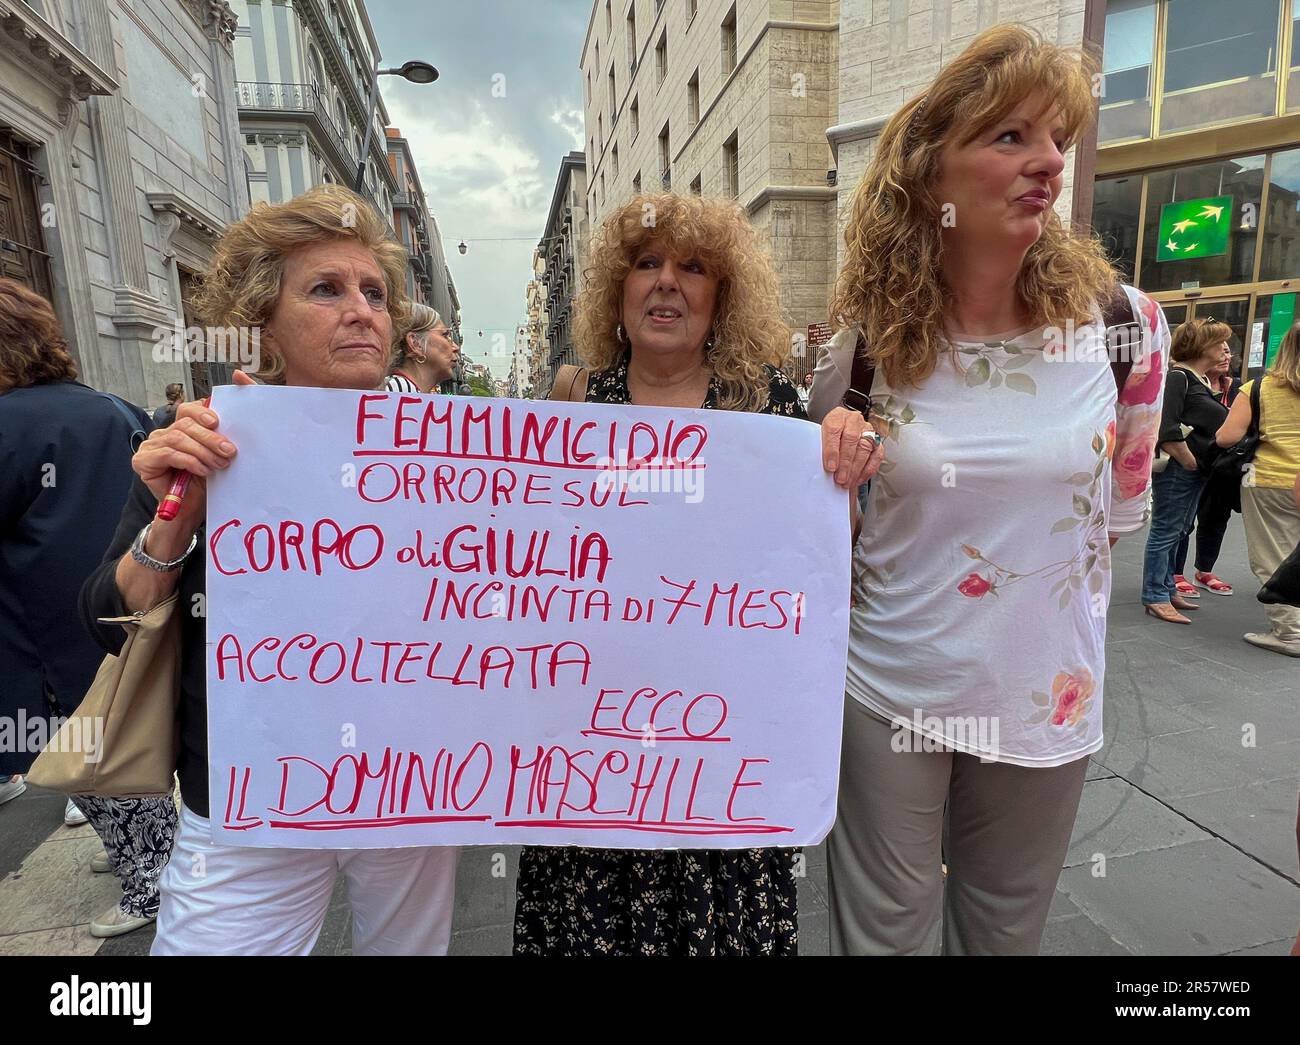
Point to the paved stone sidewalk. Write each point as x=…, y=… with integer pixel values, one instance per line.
x=1195, y=831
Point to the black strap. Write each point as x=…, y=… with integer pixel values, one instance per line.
x=1256, y=407
x=137, y=432
x=1117, y=315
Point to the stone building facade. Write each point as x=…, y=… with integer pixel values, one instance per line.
x=723, y=98
x=562, y=252
x=303, y=78
x=119, y=164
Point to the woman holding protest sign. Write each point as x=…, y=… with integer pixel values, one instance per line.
x=982, y=574
x=323, y=282
x=680, y=309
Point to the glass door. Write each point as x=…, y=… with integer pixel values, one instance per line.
x=1175, y=315
x=1275, y=314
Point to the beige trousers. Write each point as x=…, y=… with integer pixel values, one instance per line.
x=1008, y=828
x=1272, y=532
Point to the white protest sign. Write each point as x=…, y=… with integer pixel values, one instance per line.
x=440, y=621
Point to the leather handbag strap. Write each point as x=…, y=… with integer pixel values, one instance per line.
x=1117, y=313
x=137, y=432
x=570, y=385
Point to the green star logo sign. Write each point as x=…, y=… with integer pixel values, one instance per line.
x=1194, y=229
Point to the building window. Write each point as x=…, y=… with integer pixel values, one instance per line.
x=665, y=159
x=631, y=36
x=636, y=184
x=613, y=94
x=596, y=63
x=609, y=18
x=661, y=59
x=634, y=114
x=1126, y=66
x=693, y=98
x=696, y=186
x=1281, y=224
x=731, y=166
x=614, y=159
x=1116, y=215
x=1200, y=188
x=1293, y=80
x=729, y=42
x=600, y=135
x=691, y=7
x=1220, y=62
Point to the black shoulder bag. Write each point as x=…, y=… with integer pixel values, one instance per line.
x=1231, y=465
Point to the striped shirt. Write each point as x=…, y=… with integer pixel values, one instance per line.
x=399, y=382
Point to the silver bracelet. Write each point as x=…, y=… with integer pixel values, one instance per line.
x=145, y=559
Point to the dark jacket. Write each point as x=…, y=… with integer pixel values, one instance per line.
x=65, y=469
x=1189, y=402
x=100, y=598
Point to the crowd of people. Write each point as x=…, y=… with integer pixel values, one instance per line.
x=971, y=598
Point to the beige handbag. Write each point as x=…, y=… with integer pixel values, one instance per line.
x=123, y=739
x=570, y=384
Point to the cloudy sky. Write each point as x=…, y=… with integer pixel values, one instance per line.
x=488, y=164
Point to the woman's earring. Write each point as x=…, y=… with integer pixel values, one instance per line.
x=708, y=342
x=621, y=334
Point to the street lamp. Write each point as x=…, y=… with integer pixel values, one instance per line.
x=415, y=72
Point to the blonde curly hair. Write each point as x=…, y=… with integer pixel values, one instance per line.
x=748, y=330
x=242, y=284
x=891, y=284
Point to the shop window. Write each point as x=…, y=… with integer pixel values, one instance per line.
x=1220, y=62
x=1116, y=210
x=1202, y=224
x=1293, y=78
x=1281, y=220
x=1126, y=64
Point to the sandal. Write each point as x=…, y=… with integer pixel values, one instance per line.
x=1185, y=588
x=1165, y=612
x=1210, y=582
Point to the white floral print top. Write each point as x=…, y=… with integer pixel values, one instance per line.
x=981, y=578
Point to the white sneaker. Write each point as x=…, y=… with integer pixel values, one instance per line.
x=72, y=816
x=12, y=789
x=116, y=922
x=1267, y=640
x=100, y=863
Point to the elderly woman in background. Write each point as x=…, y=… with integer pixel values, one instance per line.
x=327, y=295
x=983, y=570
x=684, y=313
x=426, y=354
x=1270, y=514
x=65, y=471
x=1199, y=347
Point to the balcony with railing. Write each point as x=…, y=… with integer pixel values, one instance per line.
x=258, y=97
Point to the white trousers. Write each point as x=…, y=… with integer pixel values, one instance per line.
x=223, y=900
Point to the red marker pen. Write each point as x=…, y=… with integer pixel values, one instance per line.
x=170, y=505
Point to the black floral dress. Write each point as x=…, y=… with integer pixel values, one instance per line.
x=578, y=901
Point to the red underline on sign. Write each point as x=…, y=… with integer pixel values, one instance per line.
x=667, y=828
x=654, y=738
x=396, y=821
x=241, y=827
x=647, y=466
